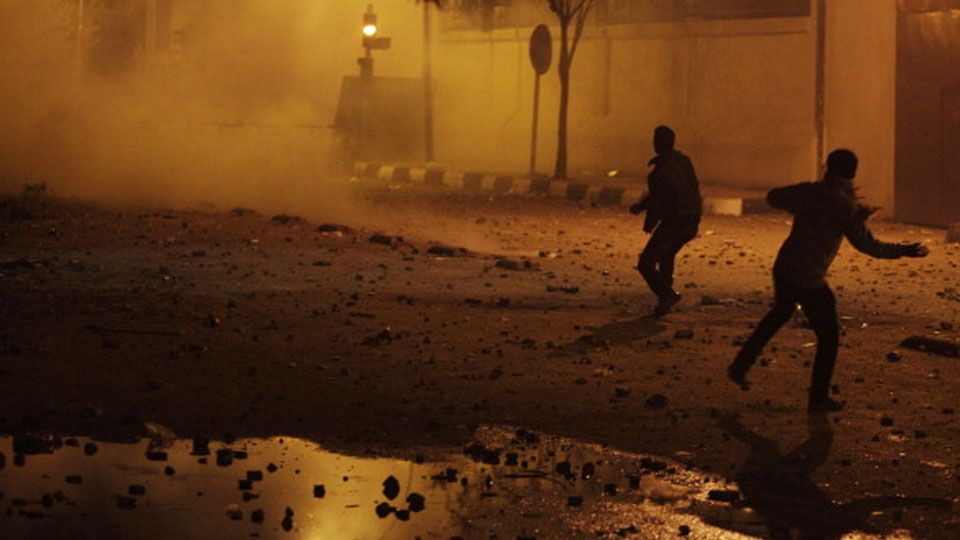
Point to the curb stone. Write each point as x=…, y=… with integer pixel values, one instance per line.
x=581, y=192
x=953, y=233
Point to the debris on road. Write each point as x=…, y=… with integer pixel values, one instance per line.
x=286, y=219
x=563, y=289
x=386, y=240
x=447, y=251
x=657, y=401
x=683, y=334
x=931, y=345
x=334, y=228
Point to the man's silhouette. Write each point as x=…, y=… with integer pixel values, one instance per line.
x=823, y=213
x=673, y=209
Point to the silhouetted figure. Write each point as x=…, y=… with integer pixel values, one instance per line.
x=824, y=212
x=673, y=209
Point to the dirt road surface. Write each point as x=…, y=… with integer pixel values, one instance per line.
x=467, y=313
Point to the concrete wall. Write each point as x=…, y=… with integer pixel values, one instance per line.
x=928, y=118
x=861, y=91
x=740, y=95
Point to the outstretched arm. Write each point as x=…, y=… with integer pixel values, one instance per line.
x=862, y=239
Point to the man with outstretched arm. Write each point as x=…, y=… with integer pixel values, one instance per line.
x=823, y=213
x=673, y=207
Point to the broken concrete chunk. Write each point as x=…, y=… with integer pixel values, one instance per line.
x=683, y=334
x=416, y=502
x=568, y=289
x=935, y=346
x=243, y=212
x=286, y=219
x=384, y=509
x=477, y=452
x=287, y=522
x=386, y=240
x=447, y=251
x=657, y=401
x=707, y=300
x=333, y=228
x=724, y=495
x=391, y=488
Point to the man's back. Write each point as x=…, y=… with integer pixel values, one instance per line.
x=823, y=215
x=673, y=186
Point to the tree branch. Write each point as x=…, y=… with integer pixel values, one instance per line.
x=582, y=9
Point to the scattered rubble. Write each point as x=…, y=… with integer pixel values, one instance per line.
x=931, y=345
x=447, y=251
x=286, y=219
x=386, y=240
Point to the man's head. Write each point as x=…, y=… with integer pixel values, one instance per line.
x=663, y=140
x=841, y=165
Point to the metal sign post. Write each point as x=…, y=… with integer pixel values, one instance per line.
x=541, y=53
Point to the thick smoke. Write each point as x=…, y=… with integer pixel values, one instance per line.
x=234, y=108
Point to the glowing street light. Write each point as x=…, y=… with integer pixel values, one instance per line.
x=370, y=41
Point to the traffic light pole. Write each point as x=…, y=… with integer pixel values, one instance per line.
x=366, y=65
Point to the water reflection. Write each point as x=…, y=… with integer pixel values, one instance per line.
x=249, y=488
x=508, y=483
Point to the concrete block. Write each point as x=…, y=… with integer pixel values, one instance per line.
x=953, y=233
x=385, y=172
x=720, y=206
x=453, y=180
x=418, y=174
x=521, y=186
x=488, y=182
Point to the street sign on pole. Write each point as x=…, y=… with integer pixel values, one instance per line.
x=541, y=49
x=541, y=55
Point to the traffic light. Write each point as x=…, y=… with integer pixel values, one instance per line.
x=370, y=30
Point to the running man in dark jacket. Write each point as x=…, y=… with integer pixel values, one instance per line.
x=823, y=213
x=673, y=209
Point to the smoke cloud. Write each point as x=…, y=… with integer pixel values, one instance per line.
x=235, y=108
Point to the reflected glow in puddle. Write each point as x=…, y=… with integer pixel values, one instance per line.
x=508, y=484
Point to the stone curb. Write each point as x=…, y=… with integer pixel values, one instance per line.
x=494, y=184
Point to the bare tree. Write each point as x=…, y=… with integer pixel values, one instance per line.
x=576, y=12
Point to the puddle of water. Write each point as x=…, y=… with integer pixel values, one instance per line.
x=508, y=484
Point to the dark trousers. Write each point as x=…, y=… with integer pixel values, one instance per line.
x=820, y=307
x=657, y=259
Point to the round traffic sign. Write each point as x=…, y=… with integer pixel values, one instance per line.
x=541, y=49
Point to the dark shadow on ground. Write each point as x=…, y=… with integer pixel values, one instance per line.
x=615, y=334
x=778, y=487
